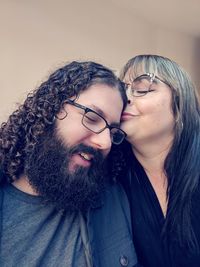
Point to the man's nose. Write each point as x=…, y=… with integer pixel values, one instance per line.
x=102, y=140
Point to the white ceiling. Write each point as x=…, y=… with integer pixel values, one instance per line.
x=180, y=15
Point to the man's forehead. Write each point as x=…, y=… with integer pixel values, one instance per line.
x=97, y=109
x=103, y=99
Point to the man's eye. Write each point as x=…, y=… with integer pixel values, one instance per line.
x=92, y=118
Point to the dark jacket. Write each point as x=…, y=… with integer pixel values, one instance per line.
x=109, y=240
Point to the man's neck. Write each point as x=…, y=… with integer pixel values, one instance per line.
x=23, y=185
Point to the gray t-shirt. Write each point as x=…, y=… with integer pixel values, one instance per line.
x=37, y=235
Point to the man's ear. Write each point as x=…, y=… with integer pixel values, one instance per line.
x=61, y=115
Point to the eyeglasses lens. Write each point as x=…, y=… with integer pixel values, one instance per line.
x=141, y=86
x=93, y=122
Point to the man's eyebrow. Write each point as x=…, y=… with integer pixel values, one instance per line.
x=97, y=110
x=100, y=112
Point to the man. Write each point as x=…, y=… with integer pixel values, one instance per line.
x=58, y=207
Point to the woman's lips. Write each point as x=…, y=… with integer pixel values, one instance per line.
x=127, y=113
x=126, y=116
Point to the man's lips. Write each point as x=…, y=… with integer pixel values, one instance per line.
x=86, y=156
x=81, y=160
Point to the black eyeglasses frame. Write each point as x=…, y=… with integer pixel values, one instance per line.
x=86, y=110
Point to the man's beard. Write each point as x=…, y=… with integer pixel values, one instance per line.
x=48, y=174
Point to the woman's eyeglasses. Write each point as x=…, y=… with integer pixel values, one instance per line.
x=142, y=84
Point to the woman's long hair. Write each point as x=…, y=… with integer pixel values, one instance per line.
x=182, y=164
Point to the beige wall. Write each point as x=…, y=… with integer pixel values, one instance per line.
x=36, y=36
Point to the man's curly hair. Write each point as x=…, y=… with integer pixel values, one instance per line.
x=35, y=117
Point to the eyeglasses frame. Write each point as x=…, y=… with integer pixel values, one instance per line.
x=86, y=110
x=152, y=78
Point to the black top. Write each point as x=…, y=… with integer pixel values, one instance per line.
x=148, y=220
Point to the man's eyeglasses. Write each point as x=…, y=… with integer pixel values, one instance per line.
x=142, y=84
x=97, y=124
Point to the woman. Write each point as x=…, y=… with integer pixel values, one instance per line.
x=161, y=176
